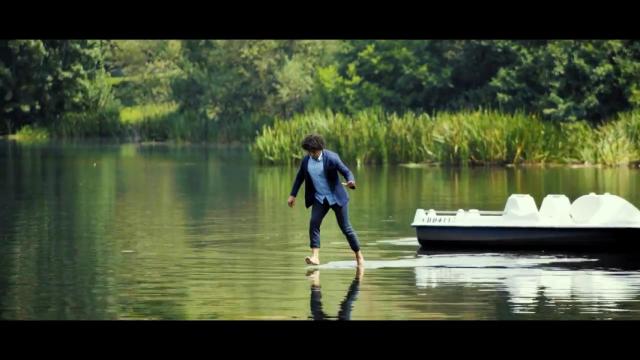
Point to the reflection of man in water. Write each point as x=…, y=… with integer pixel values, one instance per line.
x=347, y=304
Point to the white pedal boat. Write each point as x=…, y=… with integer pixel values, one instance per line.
x=604, y=221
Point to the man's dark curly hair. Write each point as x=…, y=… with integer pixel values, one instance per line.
x=313, y=142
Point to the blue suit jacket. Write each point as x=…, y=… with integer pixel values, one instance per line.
x=332, y=165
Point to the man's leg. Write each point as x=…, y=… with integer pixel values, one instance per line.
x=318, y=211
x=342, y=215
x=316, y=297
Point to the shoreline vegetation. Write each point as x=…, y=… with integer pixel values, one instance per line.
x=481, y=137
x=433, y=102
x=374, y=137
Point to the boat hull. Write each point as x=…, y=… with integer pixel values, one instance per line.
x=431, y=237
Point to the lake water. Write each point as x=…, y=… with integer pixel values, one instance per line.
x=193, y=232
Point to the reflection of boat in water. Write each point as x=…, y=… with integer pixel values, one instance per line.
x=568, y=260
x=592, y=281
x=591, y=221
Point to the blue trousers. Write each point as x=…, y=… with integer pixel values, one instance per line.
x=318, y=211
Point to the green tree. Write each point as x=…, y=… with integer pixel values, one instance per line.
x=40, y=80
x=422, y=75
x=570, y=80
x=144, y=69
x=560, y=80
x=234, y=86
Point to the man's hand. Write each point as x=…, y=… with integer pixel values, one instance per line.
x=291, y=201
x=351, y=184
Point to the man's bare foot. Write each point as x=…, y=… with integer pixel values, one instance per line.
x=312, y=260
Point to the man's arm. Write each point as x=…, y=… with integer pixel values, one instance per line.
x=344, y=170
x=298, y=181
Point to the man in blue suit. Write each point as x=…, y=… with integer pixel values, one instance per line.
x=319, y=171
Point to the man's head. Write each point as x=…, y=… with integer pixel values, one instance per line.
x=313, y=144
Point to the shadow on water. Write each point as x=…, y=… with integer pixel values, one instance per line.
x=317, y=313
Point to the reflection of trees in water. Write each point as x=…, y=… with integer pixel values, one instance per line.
x=60, y=209
x=211, y=182
x=77, y=208
x=64, y=222
x=10, y=184
x=135, y=304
